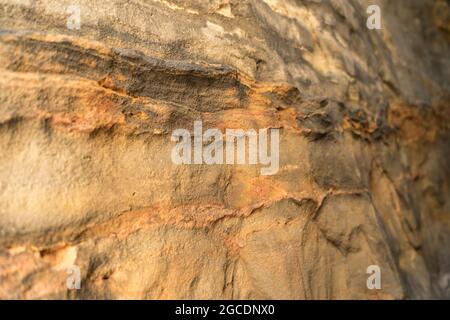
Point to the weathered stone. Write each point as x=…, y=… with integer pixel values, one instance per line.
x=86, y=177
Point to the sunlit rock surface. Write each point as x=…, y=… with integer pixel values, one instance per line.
x=86, y=177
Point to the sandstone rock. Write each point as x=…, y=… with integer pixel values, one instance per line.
x=86, y=177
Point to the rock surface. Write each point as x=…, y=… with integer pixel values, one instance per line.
x=86, y=177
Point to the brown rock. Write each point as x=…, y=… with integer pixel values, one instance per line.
x=86, y=176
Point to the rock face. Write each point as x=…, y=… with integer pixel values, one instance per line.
x=86, y=177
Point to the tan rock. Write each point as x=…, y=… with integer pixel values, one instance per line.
x=86, y=177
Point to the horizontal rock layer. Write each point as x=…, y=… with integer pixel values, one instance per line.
x=86, y=178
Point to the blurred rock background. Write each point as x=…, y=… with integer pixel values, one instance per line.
x=86, y=177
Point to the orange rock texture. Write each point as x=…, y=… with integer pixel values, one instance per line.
x=86, y=177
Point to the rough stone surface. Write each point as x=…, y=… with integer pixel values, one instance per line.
x=86, y=177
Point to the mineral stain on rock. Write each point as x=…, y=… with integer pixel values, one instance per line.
x=86, y=177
